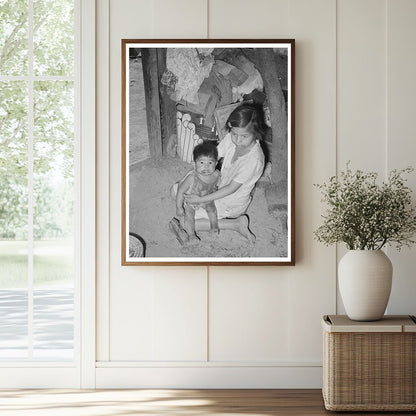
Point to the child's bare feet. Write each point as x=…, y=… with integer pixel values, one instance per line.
x=212, y=235
x=180, y=234
x=193, y=239
x=242, y=228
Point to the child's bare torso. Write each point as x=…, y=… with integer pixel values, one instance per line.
x=202, y=187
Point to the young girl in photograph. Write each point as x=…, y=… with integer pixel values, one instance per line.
x=243, y=165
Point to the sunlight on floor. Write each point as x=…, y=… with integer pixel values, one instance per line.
x=114, y=402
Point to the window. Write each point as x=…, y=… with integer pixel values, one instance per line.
x=38, y=184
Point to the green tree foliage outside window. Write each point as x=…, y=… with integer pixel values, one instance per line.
x=53, y=118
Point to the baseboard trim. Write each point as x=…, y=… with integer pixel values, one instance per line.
x=39, y=378
x=210, y=377
x=204, y=364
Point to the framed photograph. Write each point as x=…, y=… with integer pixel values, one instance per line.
x=208, y=133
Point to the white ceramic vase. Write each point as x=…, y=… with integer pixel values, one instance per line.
x=364, y=278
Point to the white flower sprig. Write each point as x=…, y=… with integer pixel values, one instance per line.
x=365, y=215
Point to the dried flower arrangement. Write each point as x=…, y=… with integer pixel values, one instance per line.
x=366, y=215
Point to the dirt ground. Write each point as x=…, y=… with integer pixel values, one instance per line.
x=151, y=207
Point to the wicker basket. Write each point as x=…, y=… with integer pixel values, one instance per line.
x=369, y=366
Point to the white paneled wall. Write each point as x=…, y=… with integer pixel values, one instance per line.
x=361, y=84
x=163, y=316
x=242, y=19
x=401, y=132
x=254, y=326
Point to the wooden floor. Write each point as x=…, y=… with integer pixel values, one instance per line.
x=165, y=402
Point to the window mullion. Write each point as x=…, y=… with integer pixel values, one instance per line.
x=30, y=178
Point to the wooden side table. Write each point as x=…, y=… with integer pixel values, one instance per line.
x=369, y=366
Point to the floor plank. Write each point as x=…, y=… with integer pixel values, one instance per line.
x=166, y=402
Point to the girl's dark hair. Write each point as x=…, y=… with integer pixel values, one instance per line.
x=205, y=149
x=242, y=116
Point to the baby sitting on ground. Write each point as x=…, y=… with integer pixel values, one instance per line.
x=202, y=180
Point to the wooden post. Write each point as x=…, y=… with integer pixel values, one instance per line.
x=167, y=106
x=265, y=61
x=151, y=88
x=277, y=192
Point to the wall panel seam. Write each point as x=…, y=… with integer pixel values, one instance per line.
x=207, y=313
x=386, y=97
x=208, y=22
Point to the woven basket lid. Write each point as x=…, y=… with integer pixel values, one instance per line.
x=389, y=323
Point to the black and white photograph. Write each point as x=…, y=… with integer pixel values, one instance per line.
x=208, y=152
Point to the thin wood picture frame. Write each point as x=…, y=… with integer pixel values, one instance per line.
x=229, y=104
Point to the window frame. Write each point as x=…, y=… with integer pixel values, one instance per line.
x=81, y=371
